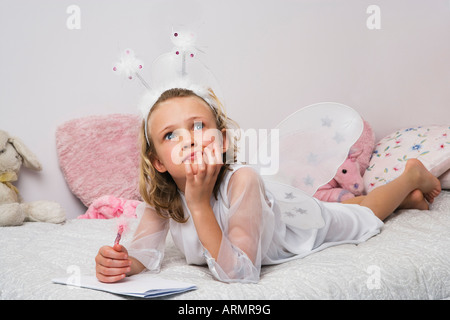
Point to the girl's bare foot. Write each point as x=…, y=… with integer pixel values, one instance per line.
x=426, y=182
x=415, y=200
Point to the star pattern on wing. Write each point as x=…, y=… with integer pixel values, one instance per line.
x=312, y=158
x=308, y=181
x=289, y=195
x=338, y=138
x=326, y=122
x=300, y=210
x=288, y=214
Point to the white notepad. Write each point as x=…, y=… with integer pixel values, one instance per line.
x=140, y=285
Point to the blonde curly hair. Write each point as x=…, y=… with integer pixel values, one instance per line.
x=159, y=189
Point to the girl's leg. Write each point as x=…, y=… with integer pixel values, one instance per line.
x=415, y=200
x=385, y=199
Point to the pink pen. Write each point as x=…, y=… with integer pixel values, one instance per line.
x=119, y=235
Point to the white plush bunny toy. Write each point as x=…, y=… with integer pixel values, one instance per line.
x=13, y=153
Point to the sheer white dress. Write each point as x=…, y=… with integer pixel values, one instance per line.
x=275, y=219
x=254, y=233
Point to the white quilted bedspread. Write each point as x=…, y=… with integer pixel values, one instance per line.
x=409, y=259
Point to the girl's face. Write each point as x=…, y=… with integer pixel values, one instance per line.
x=181, y=128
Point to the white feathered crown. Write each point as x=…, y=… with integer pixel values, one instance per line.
x=179, y=68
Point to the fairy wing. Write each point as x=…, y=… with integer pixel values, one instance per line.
x=312, y=143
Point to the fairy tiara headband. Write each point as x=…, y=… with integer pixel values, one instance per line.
x=179, y=68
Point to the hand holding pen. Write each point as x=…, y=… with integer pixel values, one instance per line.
x=113, y=263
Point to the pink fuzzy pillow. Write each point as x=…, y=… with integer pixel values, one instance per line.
x=99, y=155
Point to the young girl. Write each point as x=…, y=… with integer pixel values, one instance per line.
x=221, y=214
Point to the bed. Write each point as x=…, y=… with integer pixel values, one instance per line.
x=409, y=259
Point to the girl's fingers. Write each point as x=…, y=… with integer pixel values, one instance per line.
x=112, y=263
x=110, y=253
x=201, y=165
x=120, y=248
x=188, y=169
x=209, y=153
x=111, y=272
x=217, y=154
x=215, y=162
x=206, y=164
x=109, y=279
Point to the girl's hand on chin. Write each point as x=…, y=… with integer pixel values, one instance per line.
x=201, y=177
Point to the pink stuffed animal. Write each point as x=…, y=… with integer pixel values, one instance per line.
x=346, y=184
x=348, y=181
x=107, y=207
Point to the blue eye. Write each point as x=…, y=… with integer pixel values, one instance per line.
x=198, y=126
x=170, y=136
